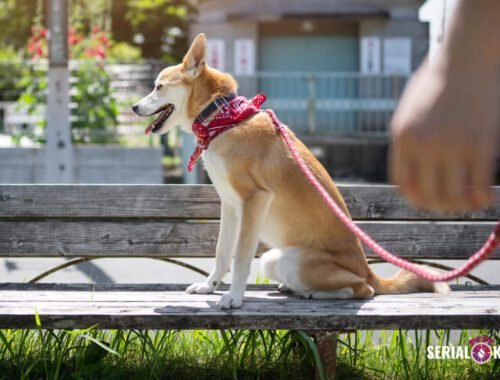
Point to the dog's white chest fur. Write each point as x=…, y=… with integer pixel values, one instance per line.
x=272, y=233
x=216, y=168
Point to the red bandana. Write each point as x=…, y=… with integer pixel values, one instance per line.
x=229, y=115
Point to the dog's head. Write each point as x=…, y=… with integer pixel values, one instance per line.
x=181, y=92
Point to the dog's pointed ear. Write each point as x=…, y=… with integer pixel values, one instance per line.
x=195, y=60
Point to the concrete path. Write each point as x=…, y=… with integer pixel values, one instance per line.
x=132, y=270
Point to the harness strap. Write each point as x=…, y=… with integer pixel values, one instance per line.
x=215, y=105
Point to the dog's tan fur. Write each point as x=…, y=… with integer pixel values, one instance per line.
x=266, y=197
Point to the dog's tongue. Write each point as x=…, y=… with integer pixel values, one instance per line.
x=149, y=128
x=160, y=119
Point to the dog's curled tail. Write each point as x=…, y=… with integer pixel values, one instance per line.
x=405, y=282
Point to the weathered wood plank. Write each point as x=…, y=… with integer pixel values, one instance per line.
x=136, y=238
x=109, y=201
x=84, y=287
x=87, y=238
x=262, y=309
x=173, y=296
x=194, y=201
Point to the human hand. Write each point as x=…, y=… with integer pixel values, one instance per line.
x=445, y=133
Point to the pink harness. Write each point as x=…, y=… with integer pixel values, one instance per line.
x=240, y=109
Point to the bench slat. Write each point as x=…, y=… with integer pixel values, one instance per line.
x=190, y=201
x=178, y=295
x=127, y=288
x=262, y=309
x=133, y=238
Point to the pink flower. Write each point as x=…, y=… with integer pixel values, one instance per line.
x=100, y=52
x=39, y=51
x=90, y=53
x=73, y=39
x=103, y=38
x=31, y=47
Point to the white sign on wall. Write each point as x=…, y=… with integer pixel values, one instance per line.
x=397, y=55
x=244, y=56
x=370, y=55
x=216, y=54
x=438, y=14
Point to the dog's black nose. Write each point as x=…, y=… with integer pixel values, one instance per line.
x=135, y=108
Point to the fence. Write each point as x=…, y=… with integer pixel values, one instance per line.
x=329, y=103
x=129, y=82
x=92, y=164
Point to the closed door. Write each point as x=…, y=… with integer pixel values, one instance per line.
x=292, y=56
x=309, y=53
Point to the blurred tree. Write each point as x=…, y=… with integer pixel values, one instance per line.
x=159, y=27
x=16, y=18
x=95, y=118
x=85, y=14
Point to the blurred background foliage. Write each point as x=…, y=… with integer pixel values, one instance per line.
x=100, y=32
x=137, y=28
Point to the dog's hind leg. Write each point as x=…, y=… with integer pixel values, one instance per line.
x=313, y=273
x=281, y=264
x=327, y=278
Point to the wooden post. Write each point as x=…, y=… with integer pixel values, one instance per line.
x=187, y=149
x=58, y=148
x=326, y=341
x=311, y=104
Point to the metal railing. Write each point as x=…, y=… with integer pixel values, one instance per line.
x=129, y=82
x=321, y=103
x=329, y=103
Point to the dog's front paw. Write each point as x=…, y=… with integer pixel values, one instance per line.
x=200, y=288
x=230, y=301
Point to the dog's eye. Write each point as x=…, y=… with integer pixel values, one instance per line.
x=158, y=87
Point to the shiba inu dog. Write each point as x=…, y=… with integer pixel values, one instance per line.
x=265, y=197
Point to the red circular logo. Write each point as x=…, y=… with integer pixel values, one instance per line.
x=481, y=352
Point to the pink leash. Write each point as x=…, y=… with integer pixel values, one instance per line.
x=483, y=254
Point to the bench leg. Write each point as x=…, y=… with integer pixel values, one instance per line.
x=326, y=341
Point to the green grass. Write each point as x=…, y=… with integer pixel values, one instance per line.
x=170, y=161
x=241, y=354
x=130, y=354
x=403, y=355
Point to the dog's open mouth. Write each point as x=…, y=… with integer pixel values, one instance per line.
x=164, y=113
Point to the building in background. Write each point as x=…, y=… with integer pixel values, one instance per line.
x=333, y=70
x=314, y=35
x=438, y=14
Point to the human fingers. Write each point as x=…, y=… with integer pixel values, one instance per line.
x=403, y=168
x=479, y=177
x=452, y=181
x=427, y=192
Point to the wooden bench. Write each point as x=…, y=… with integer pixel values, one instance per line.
x=174, y=221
